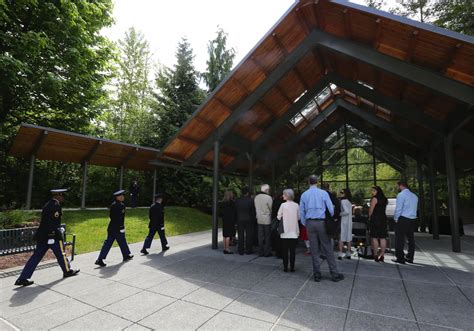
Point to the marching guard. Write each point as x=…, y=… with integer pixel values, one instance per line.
x=115, y=230
x=50, y=235
x=157, y=224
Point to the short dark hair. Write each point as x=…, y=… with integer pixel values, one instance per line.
x=402, y=183
x=245, y=190
x=313, y=179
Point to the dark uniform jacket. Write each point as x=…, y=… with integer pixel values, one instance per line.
x=50, y=222
x=157, y=216
x=245, y=209
x=134, y=189
x=117, y=217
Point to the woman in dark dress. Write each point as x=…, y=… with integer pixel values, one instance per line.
x=229, y=217
x=378, y=223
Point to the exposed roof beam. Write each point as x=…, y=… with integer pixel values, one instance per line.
x=128, y=157
x=377, y=121
x=408, y=71
x=283, y=120
x=39, y=141
x=399, y=108
x=92, y=152
x=289, y=62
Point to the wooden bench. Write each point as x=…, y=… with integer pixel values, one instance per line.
x=20, y=240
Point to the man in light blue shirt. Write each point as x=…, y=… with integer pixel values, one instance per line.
x=313, y=204
x=405, y=219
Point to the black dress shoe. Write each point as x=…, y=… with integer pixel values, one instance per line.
x=144, y=251
x=127, y=258
x=337, y=277
x=165, y=248
x=100, y=262
x=249, y=252
x=285, y=269
x=409, y=261
x=23, y=282
x=398, y=261
x=70, y=273
x=269, y=255
x=292, y=269
x=317, y=277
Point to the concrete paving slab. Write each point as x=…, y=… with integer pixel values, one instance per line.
x=177, y=287
x=139, y=306
x=146, y=280
x=282, y=284
x=240, y=279
x=361, y=321
x=213, y=296
x=183, y=314
x=441, y=305
x=328, y=292
x=227, y=321
x=258, y=306
x=96, y=320
x=7, y=326
x=52, y=315
x=424, y=273
x=137, y=327
x=468, y=292
x=308, y=316
x=107, y=295
x=460, y=277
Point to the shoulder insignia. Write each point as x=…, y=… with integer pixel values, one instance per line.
x=56, y=214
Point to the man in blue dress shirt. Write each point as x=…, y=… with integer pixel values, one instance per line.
x=405, y=223
x=313, y=204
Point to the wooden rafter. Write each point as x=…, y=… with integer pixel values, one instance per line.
x=451, y=58
x=412, y=45
x=378, y=33
x=248, y=92
x=347, y=23
x=205, y=122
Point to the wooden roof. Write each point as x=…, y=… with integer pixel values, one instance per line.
x=56, y=145
x=391, y=72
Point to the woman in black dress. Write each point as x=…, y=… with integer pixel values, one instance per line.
x=229, y=216
x=378, y=223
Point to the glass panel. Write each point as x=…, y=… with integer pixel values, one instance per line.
x=296, y=119
x=359, y=155
x=335, y=187
x=355, y=138
x=361, y=172
x=332, y=173
x=385, y=171
x=323, y=96
x=389, y=188
x=331, y=157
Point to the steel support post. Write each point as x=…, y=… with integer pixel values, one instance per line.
x=452, y=192
x=154, y=186
x=251, y=173
x=421, y=192
x=215, y=194
x=84, y=185
x=121, y=178
x=434, y=198
x=374, y=164
x=346, y=158
x=30, y=181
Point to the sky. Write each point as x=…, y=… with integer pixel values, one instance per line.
x=164, y=22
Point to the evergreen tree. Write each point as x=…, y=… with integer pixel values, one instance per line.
x=220, y=60
x=178, y=94
x=456, y=15
x=130, y=111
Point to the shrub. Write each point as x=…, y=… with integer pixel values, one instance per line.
x=17, y=218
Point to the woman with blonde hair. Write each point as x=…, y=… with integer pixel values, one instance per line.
x=289, y=214
x=229, y=217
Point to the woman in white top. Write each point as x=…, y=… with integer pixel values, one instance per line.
x=289, y=212
x=346, y=223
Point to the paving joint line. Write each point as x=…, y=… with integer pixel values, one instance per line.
x=350, y=295
x=10, y=324
x=408, y=297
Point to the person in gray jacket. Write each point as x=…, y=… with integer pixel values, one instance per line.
x=263, y=210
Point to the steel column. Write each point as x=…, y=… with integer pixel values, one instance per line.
x=434, y=198
x=84, y=185
x=30, y=181
x=345, y=156
x=121, y=178
x=374, y=165
x=250, y=157
x=215, y=194
x=421, y=192
x=452, y=192
x=154, y=186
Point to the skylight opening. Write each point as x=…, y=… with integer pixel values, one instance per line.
x=301, y=95
x=365, y=84
x=296, y=119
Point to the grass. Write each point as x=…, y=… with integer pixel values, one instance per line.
x=90, y=226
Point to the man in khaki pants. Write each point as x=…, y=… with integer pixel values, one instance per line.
x=263, y=209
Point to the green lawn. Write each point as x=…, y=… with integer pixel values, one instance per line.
x=90, y=226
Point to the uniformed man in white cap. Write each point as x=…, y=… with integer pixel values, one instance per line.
x=48, y=236
x=116, y=230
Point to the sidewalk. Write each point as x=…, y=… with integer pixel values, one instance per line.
x=193, y=287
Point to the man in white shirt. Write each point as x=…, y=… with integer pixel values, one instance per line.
x=405, y=223
x=263, y=209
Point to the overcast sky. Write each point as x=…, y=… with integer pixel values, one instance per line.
x=164, y=22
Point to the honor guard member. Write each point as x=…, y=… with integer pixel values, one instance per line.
x=49, y=236
x=157, y=224
x=116, y=230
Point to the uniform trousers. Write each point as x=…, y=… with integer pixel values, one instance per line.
x=121, y=241
x=38, y=254
x=264, y=244
x=320, y=241
x=245, y=230
x=289, y=246
x=405, y=227
x=151, y=234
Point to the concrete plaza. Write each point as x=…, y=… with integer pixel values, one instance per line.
x=194, y=287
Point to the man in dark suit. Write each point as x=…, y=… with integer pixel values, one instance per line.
x=246, y=220
x=115, y=230
x=134, y=192
x=48, y=236
x=157, y=224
